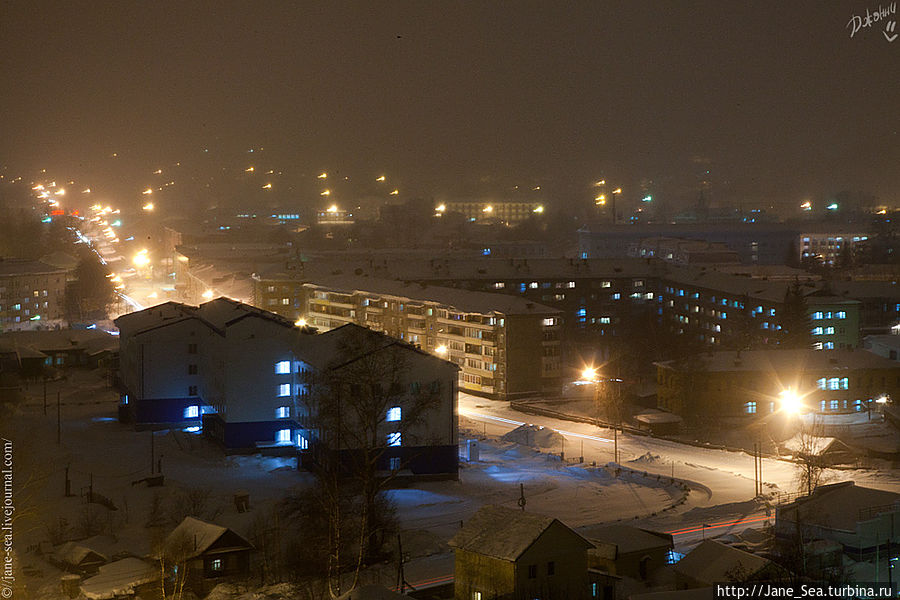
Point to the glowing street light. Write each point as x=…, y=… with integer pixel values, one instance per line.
x=442, y=350
x=395, y=192
x=147, y=192
x=300, y=322
x=600, y=200
x=601, y=182
x=268, y=186
x=589, y=374
x=332, y=209
x=325, y=193
x=539, y=209
x=249, y=170
x=807, y=205
x=382, y=178
x=488, y=209
x=791, y=402
x=440, y=208
x=148, y=207
x=141, y=259
x=322, y=176
x=208, y=294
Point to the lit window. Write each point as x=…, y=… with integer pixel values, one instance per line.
x=817, y=330
x=828, y=346
x=284, y=389
x=604, y=320
x=834, y=383
x=616, y=296
x=605, y=284
x=393, y=413
x=549, y=322
x=840, y=315
x=283, y=367
x=283, y=412
x=845, y=383
x=302, y=442
x=477, y=595
x=750, y=408
x=834, y=405
x=533, y=285
x=393, y=439
x=570, y=284
x=283, y=436
x=191, y=412
x=395, y=463
x=829, y=331
x=215, y=564
x=817, y=315
x=499, y=285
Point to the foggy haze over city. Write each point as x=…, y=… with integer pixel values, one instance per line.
x=775, y=100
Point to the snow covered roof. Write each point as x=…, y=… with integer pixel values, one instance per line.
x=194, y=537
x=74, y=554
x=840, y=505
x=504, y=533
x=119, y=578
x=713, y=561
x=812, y=444
x=788, y=360
x=463, y=300
x=628, y=539
x=21, y=266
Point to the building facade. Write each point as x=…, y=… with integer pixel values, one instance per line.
x=504, y=346
x=32, y=295
x=253, y=380
x=750, y=384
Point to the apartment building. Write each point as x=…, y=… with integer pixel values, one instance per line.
x=32, y=294
x=251, y=379
x=751, y=383
x=504, y=346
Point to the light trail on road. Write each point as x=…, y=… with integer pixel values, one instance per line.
x=741, y=521
x=426, y=582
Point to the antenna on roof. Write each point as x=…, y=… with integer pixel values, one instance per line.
x=522, y=496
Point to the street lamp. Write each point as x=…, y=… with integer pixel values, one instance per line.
x=791, y=402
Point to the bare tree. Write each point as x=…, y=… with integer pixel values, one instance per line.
x=809, y=454
x=173, y=557
x=350, y=407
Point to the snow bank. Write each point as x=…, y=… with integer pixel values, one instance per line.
x=647, y=458
x=535, y=436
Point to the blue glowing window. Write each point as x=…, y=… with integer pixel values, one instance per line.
x=283, y=367
x=394, y=439
x=191, y=412
x=393, y=413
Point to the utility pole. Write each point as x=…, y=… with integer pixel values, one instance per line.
x=45, y=395
x=58, y=419
x=151, y=452
x=616, y=444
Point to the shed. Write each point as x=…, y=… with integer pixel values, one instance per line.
x=75, y=558
x=714, y=562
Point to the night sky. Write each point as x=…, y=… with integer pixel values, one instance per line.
x=774, y=99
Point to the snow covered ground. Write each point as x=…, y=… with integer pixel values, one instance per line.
x=99, y=450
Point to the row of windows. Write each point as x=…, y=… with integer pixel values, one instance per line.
x=819, y=315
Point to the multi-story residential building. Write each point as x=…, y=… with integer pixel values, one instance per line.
x=32, y=294
x=834, y=322
x=504, y=346
x=683, y=251
x=248, y=377
x=751, y=383
x=509, y=212
x=754, y=243
x=827, y=246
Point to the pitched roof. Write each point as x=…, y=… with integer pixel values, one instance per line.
x=629, y=539
x=74, y=554
x=21, y=266
x=841, y=505
x=503, y=533
x=197, y=535
x=713, y=561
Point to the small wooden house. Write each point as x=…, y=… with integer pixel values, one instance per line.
x=202, y=554
x=503, y=553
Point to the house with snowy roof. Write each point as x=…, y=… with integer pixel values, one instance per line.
x=505, y=553
x=863, y=520
x=714, y=562
x=77, y=558
x=628, y=551
x=200, y=555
